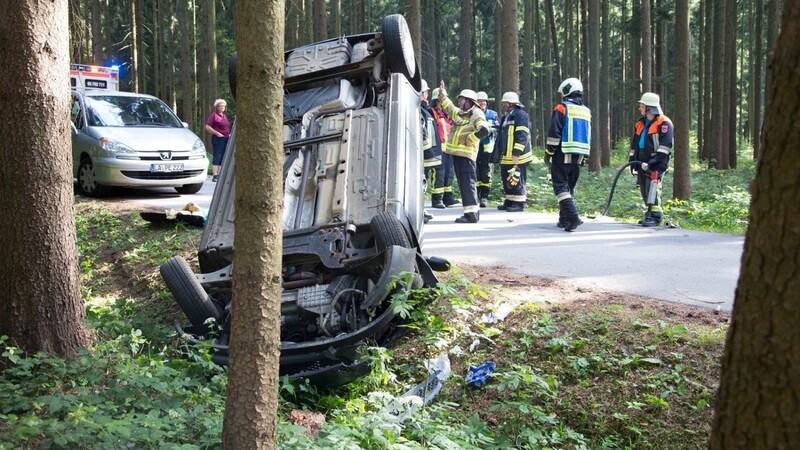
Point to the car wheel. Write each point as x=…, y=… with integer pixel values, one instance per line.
x=388, y=231
x=189, y=188
x=398, y=45
x=189, y=294
x=232, y=73
x=87, y=180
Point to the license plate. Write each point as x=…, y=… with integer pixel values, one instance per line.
x=166, y=167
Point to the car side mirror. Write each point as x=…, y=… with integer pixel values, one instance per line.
x=185, y=125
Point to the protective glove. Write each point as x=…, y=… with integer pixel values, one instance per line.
x=513, y=176
x=634, y=169
x=656, y=165
x=548, y=159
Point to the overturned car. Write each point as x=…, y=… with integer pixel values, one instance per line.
x=353, y=209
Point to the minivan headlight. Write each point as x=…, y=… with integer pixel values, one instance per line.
x=198, y=147
x=115, y=146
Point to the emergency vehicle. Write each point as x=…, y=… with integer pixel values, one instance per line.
x=84, y=76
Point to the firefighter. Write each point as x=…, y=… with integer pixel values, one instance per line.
x=568, y=143
x=469, y=127
x=442, y=192
x=651, y=143
x=513, y=144
x=484, y=174
x=431, y=144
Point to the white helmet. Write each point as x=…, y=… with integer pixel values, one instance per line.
x=435, y=93
x=483, y=96
x=424, y=87
x=569, y=86
x=652, y=101
x=469, y=94
x=511, y=97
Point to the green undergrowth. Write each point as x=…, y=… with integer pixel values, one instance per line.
x=589, y=371
x=720, y=199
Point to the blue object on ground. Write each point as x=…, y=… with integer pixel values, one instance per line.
x=478, y=375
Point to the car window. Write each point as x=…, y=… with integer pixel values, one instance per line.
x=119, y=111
x=76, y=112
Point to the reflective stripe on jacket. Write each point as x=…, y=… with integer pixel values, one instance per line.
x=570, y=129
x=659, y=138
x=514, y=137
x=463, y=139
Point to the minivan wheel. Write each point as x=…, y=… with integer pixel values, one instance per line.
x=189, y=188
x=189, y=294
x=388, y=231
x=398, y=45
x=87, y=180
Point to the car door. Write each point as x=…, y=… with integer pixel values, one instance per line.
x=82, y=141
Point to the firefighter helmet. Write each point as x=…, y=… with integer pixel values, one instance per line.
x=483, y=96
x=424, y=86
x=511, y=97
x=652, y=101
x=570, y=86
x=435, y=93
x=470, y=95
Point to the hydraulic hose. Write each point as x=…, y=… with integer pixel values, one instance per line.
x=614, y=184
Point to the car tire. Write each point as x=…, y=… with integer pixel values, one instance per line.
x=189, y=188
x=87, y=180
x=398, y=46
x=388, y=231
x=232, y=73
x=189, y=294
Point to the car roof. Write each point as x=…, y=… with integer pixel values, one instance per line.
x=102, y=93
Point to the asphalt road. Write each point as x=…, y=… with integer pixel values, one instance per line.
x=676, y=265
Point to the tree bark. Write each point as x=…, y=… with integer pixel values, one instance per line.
x=40, y=305
x=646, y=46
x=251, y=407
x=97, y=34
x=336, y=15
x=526, y=94
x=464, y=47
x=681, y=187
x=510, y=46
x=414, y=20
x=551, y=25
x=759, y=392
x=321, y=22
x=605, y=79
x=594, y=82
x=755, y=79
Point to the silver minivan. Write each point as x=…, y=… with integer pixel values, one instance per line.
x=133, y=140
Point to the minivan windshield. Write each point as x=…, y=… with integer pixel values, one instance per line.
x=123, y=111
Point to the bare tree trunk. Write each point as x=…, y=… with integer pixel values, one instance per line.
x=251, y=407
x=134, y=70
x=464, y=47
x=336, y=12
x=594, y=82
x=719, y=108
x=646, y=46
x=40, y=305
x=187, y=64
x=212, y=90
x=428, y=61
x=757, y=400
x=701, y=76
x=526, y=96
x=604, y=119
x=682, y=188
x=155, y=33
x=321, y=22
x=756, y=80
x=141, y=61
x=308, y=21
x=414, y=20
x=510, y=45
x=728, y=151
x=551, y=25
x=97, y=40
x=706, y=151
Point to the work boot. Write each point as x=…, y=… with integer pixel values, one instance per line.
x=653, y=221
x=646, y=217
x=436, y=201
x=449, y=200
x=483, y=202
x=504, y=206
x=469, y=218
x=562, y=222
x=427, y=215
x=515, y=207
x=571, y=217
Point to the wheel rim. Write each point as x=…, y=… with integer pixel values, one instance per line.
x=408, y=50
x=87, y=178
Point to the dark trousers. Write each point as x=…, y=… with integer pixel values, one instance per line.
x=565, y=178
x=484, y=174
x=518, y=193
x=465, y=174
x=218, y=143
x=436, y=174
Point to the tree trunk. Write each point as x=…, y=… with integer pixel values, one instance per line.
x=756, y=80
x=701, y=76
x=336, y=12
x=321, y=21
x=594, y=82
x=187, y=65
x=155, y=33
x=510, y=46
x=718, y=74
x=731, y=97
x=428, y=61
x=251, y=407
x=706, y=151
x=97, y=39
x=170, y=54
x=141, y=60
x=757, y=401
x=464, y=47
x=212, y=93
x=681, y=186
x=526, y=96
x=551, y=25
x=605, y=79
x=646, y=45
x=41, y=307
x=414, y=19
